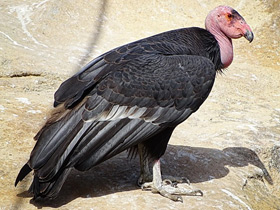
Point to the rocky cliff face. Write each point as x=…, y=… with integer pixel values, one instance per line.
x=229, y=149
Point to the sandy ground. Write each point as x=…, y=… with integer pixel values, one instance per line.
x=229, y=149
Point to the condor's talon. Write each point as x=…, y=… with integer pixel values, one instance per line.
x=175, y=179
x=168, y=182
x=142, y=180
x=148, y=186
x=198, y=193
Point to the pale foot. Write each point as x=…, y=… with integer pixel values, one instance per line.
x=171, y=191
x=167, y=188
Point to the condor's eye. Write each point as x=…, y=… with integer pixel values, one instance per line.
x=229, y=16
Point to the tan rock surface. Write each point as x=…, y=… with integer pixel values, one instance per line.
x=229, y=149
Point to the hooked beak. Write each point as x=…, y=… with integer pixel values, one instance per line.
x=249, y=35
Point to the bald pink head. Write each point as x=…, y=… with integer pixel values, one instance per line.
x=225, y=24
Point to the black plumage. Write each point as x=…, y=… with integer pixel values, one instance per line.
x=136, y=93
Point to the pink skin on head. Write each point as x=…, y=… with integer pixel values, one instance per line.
x=226, y=24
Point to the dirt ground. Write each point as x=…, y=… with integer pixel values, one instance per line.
x=229, y=149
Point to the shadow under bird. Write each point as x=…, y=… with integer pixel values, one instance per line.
x=132, y=98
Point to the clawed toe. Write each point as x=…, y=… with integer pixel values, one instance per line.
x=169, y=182
x=198, y=193
x=147, y=186
x=144, y=179
x=174, y=179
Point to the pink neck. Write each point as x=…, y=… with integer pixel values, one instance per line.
x=226, y=49
x=224, y=42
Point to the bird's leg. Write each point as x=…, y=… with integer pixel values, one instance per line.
x=172, y=192
x=145, y=174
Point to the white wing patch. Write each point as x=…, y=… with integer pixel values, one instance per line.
x=117, y=112
x=138, y=112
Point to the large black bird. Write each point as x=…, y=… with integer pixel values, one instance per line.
x=133, y=97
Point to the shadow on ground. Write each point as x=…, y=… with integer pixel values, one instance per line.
x=120, y=174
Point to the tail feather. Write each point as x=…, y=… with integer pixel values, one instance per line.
x=23, y=172
x=49, y=158
x=35, y=186
x=41, y=189
x=52, y=139
x=55, y=187
x=51, y=166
